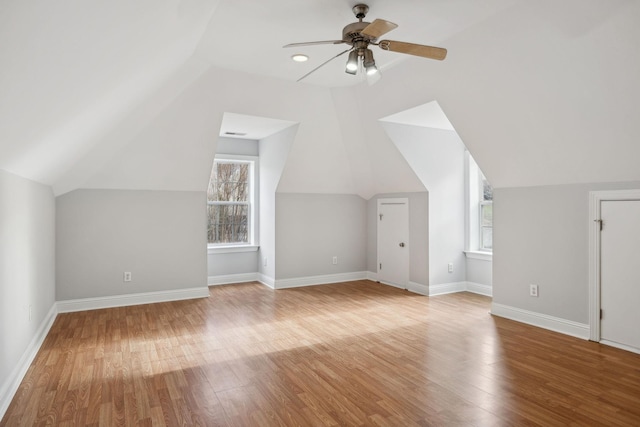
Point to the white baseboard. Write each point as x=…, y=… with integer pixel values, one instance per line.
x=319, y=280
x=230, y=279
x=10, y=387
x=418, y=288
x=567, y=327
x=439, y=289
x=620, y=346
x=393, y=285
x=478, y=288
x=267, y=281
x=447, y=288
x=130, y=299
x=233, y=278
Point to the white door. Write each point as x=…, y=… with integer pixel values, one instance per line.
x=393, y=242
x=620, y=274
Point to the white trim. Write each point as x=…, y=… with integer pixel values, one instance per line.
x=440, y=289
x=267, y=281
x=83, y=304
x=484, y=256
x=595, y=199
x=479, y=288
x=233, y=278
x=594, y=267
x=11, y=385
x=393, y=285
x=447, y=288
x=215, y=249
x=319, y=280
x=620, y=346
x=418, y=288
x=567, y=327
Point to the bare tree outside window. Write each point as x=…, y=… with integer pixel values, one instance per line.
x=486, y=215
x=228, y=204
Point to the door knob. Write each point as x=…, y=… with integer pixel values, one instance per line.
x=402, y=245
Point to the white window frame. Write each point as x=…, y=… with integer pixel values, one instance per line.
x=252, y=245
x=474, y=199
x=481, y=227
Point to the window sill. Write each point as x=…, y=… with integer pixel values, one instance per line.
x=231, y=249
x=484, y=256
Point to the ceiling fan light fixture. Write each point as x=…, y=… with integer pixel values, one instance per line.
x=369, y=63
x=352, y=62
x=299, y=57
x=371, y=69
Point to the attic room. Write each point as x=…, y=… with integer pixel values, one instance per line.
x=114, y=112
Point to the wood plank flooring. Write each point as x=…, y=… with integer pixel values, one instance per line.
x=356, y=353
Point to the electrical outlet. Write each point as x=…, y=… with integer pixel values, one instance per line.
x=450, y=267
x=335, y=260
x=533, y=290
x=127, y=276
x=264, y=261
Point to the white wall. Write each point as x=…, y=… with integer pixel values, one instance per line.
x=541, y=236
x=159, y=236
x=313, y=228
x=225, y=264
x=274, y=152
x=27, y=271
x=238, y=146
x=418, y=234
x=437, y=158
x=479, y=271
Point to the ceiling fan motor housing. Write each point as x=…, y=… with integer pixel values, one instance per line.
x=351, y=32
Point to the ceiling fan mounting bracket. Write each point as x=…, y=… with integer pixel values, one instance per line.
x=360, y=10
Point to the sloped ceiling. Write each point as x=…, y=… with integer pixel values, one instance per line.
x=72, y=71
x=131, y=94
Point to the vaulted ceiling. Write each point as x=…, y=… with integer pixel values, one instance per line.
x=131, y=95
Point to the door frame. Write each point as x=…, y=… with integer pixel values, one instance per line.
x=595, y=200
x=393, y=200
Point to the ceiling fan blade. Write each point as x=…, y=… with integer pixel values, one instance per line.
x=378, y=28
x=314, y=43
x=414, y=49
x=324, y=63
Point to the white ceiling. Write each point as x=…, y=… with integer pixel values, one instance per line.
x=428, y=115
x=133, y=95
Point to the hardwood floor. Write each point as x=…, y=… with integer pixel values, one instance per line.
x=356, y=353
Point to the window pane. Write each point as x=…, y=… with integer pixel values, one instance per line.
x=487, y=238
x=229, y=182
x=487, y=190
x=486, y=215
x=228, y=223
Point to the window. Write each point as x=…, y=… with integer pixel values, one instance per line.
x=230, y=203
x=486, y=214
x=480, y=209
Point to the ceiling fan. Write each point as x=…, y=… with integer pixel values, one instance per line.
x=359, y=35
